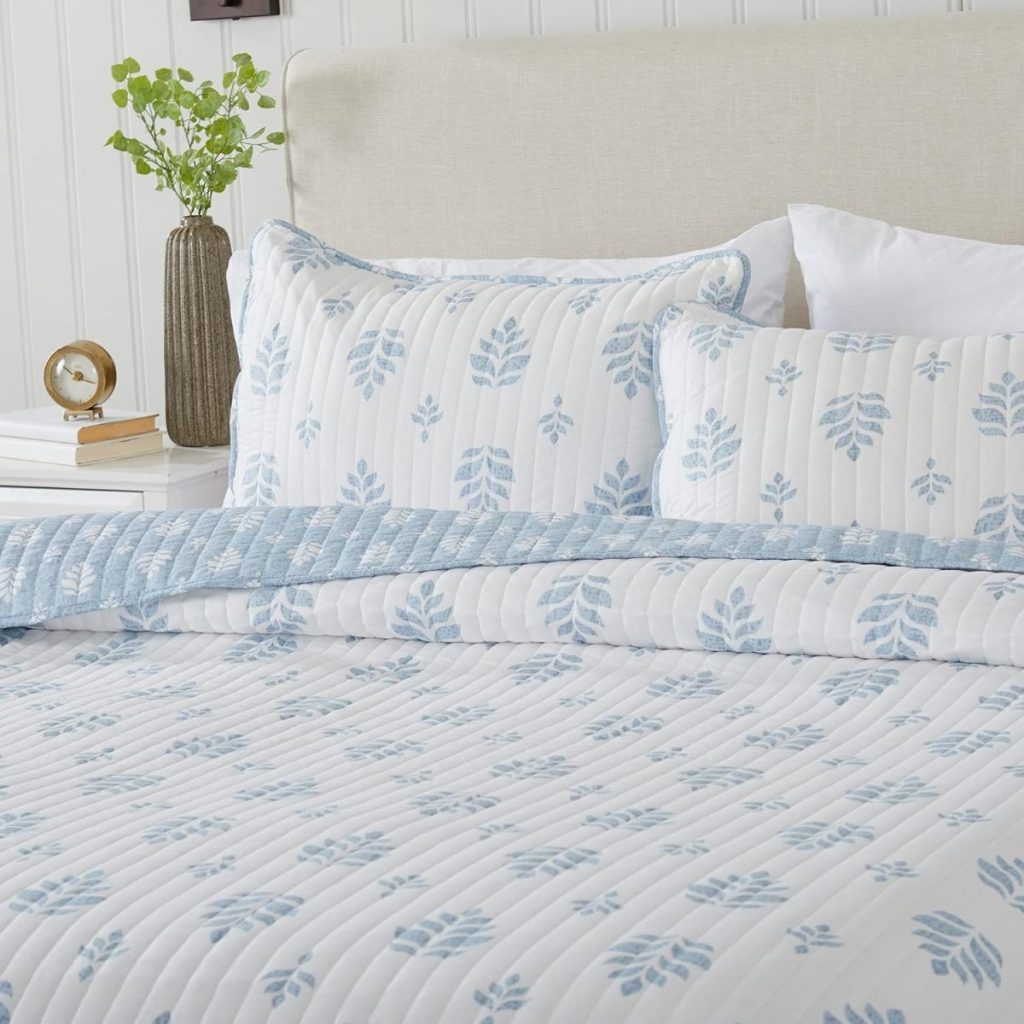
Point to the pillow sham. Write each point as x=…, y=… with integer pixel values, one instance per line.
x=837, y=428
x=363, y=385
x=768, y=247
x=866, y=275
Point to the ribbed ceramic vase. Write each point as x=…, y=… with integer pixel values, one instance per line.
x=200, y=359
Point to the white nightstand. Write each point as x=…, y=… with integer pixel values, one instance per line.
x=176, y=478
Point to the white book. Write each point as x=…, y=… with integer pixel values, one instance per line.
x=81, y=454
x=48, y=424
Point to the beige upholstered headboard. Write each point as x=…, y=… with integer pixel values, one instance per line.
x=626, y=144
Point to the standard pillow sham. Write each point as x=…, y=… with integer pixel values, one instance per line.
x=838, y=428
x=866, y=275
x=363, y=385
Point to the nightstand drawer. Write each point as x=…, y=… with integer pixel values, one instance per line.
x=20, y=502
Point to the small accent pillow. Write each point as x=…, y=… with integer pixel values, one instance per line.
x=367, y=386
x=866, y=275
x=795, y=426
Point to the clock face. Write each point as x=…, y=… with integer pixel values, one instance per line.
x=75, y=378
x=81, y=376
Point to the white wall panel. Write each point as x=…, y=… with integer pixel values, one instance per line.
x=82, y=236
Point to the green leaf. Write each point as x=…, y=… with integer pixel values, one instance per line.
x=163, y=74
x=262, y=78
x=267, y=102
x=185, y=75
x=229, y=78
x=276, y=138
x=243, y=103
x=118, y=72
x=132, y=65
x=119, y=142
x=241, y=58
x=142, y=167
x=120, y=97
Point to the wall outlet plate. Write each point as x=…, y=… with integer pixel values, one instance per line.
x=209, y=10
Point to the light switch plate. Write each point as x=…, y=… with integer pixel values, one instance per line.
x=209, y=10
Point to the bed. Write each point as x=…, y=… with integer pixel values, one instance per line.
x=380, y=765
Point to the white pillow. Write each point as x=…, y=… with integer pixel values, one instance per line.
x=866, y=275
x=794, y=426
x=364, y=385
x=768, y=246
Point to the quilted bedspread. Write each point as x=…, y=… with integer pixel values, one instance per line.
x=383, y=766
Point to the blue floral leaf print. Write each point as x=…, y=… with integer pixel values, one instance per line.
x=310, y=707
x=288, y=982
x=821, y=835
x=99, y=951
x=604, y=905
x=700, y=686
x=1009, y=698
x=635, y=819
x=501, y=358
x=932, y=368
x=502, y=997
x=542, y=668
x=279, y=609
x=260, y=480
x=398, y=882
x=341, y=306
x=575, y=604
x=462, y=714
x=484, y=472
x=259, y=648
x=428, y=414
x=777, y=492
x=78, y=722
x=219, y=745
x=1001, y=518
x=305, y=252
x=118, y=648
x=375, y=355
x=363, y=489
x=390, y=672
x=446, y=935
x=382, y=749
x=282, y=789
x=455, y=300
x=860, y=344
x=352, y=851
x=1004, y=585
x=14, y=822
x=859, y=683
x=70, y=894
x=960, y=742
x=733, y=626
x=958, y=819
x=268, y=371
x=644, y=960
x=895, y=791
x=813, y=936
x=853, y=420
x=176, y=829
x=869, y=1015
x=117, y=783
x=957, y=947
x=550, y=860
x=1000, y=412
x=786, y=737
x=307, y=430
x=712, y=448
x=712, y=340
x=447, y=802
x=425, y=617
x=783, y=377
x=930, y=485
x=585, y=301
x=752, y=891
x=631, y=348
x=555, y=425
x=612, y=727
x=144, y=618
x=6, y=1001
x=886, y=871
x=721, y=292
x=1006, y=877
x=723, y=776
x=899, y=624
x=549, y=766
x=620, y=493
x=243, y=911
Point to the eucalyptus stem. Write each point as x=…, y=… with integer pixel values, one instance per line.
x=217, y=143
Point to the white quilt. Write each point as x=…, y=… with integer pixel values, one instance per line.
x=646, y=787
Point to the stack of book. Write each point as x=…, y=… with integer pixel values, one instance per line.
x=42, y=435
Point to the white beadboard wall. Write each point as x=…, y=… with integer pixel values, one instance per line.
x=81, y=236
